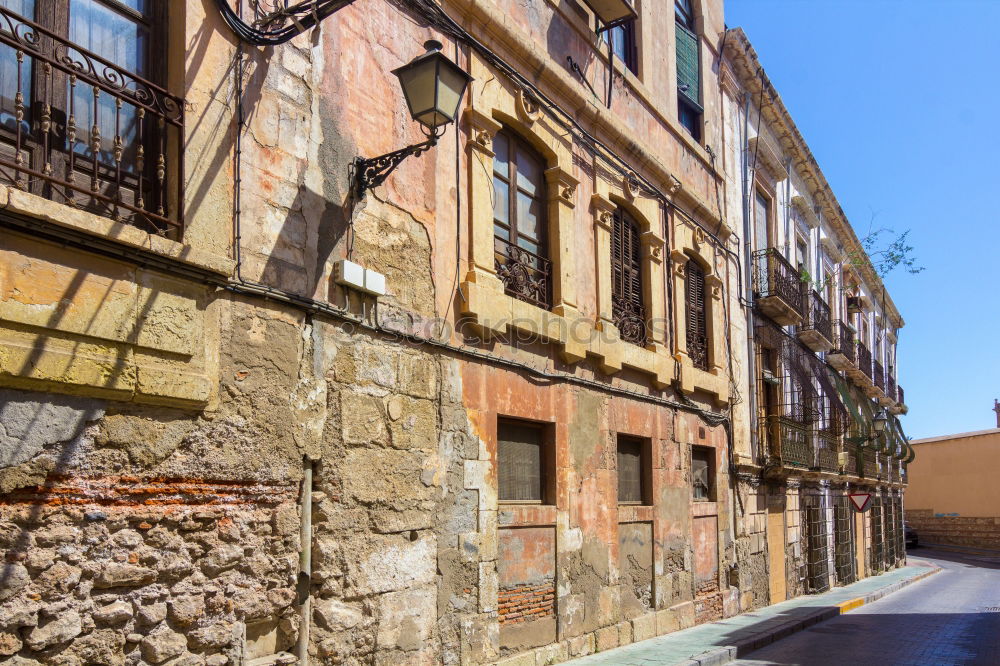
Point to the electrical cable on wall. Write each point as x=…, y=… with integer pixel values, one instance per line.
x=598, y=149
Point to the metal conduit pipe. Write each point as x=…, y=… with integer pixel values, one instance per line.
x=748, y=281
x=304, y=582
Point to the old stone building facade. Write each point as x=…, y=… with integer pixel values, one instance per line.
x=821, y=364
x=538, y=439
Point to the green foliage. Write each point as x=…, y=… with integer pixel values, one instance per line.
x=887, y=251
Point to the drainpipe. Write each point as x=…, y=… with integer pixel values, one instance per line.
x=305, y=563
x=748, y=278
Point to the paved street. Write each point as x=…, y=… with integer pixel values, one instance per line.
x=951, y=618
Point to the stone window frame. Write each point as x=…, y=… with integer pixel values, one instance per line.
x=489, y=309
x=691, y=243
x=614, y=353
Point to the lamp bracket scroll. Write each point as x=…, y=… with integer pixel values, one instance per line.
x=372, y=172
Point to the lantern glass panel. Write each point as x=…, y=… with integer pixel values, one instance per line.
x=418, y=83
x=451, y=87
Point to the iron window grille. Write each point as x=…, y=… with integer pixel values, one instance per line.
x=817, y=574
x=844, y=553
x=82, y=119
x=697, y=316
x=627, y=307
x=519, y=220
x=878, y=543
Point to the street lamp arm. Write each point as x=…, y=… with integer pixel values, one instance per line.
x=372, y=172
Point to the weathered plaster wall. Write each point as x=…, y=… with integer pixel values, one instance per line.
x=153, y=516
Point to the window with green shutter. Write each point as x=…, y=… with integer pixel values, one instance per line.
x=688, y=69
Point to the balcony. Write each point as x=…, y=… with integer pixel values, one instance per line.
x=864, y=360
x=81, y=130
x=791, y=442
x=879, y=376
x=843, y=356
x=849, y=459
x=816, y=331
x=777, y=287
x=862, y=373
x=869, y=464
x=827, y=456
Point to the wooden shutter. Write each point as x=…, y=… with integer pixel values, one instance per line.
x=697, y=326
x=626, y=279
x=630, y=470
x=520, y=461
x=688, y=65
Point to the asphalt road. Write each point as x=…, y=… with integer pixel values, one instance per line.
x=953, y=617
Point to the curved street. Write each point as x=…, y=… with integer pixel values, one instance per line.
x=952, y=617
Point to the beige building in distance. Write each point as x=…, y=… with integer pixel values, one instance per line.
x=954, y=497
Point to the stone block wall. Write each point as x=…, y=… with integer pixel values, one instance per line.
x=974, y=532
x=751, y=544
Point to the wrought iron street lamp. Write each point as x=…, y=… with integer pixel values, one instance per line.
x=878, y=423
x=433, y=87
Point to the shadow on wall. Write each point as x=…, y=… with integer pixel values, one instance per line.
x=30, y=423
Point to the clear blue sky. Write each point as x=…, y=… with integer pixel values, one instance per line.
x=899, y=102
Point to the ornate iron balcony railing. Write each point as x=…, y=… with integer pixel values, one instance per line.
x=864, y=359
x=773, y=275
x=82, y=130
x=899, y=390
x=791, y=441
x=890, y=385
x=869, y=463
x=818, y=316
x=524, y=274
x=852, y=459
x=879, y=375
x=827, y=456
x=630, y=319
x=845, y=343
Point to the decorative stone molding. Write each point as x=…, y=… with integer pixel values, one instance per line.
x=527, y=107
x=690, y=244
x=768, y=158
x=482, y=129
x=807, y=211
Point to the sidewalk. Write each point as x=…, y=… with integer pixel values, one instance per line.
x=725, y=640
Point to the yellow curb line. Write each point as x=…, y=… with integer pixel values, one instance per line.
x=858, y=602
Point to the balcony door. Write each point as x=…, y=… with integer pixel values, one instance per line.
x=72, y=123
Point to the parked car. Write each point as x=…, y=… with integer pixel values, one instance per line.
x=910, y=534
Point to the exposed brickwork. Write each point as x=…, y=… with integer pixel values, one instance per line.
x=527, y=602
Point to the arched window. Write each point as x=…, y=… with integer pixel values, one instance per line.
x=697, y=322
x=627, y=307
x=519, y=220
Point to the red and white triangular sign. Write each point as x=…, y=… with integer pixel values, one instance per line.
x=860, y=500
